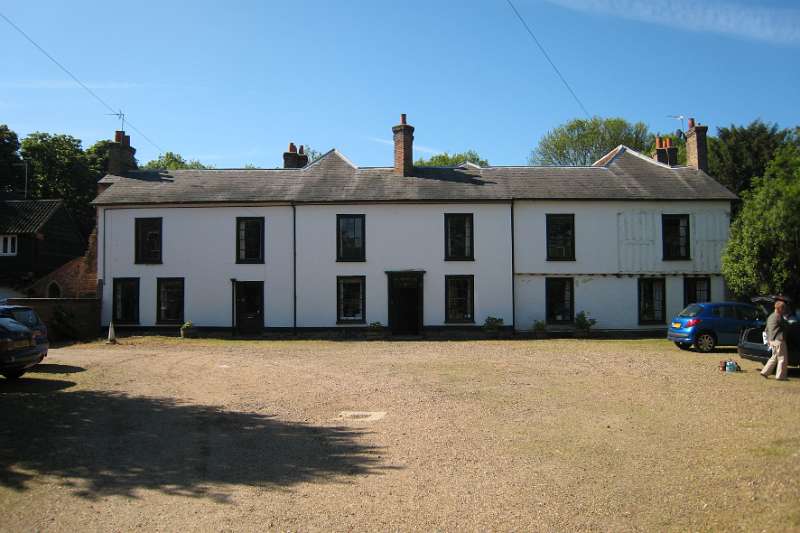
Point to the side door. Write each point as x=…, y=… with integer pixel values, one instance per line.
x=728, y=325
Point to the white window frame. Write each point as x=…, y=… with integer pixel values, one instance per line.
x=9, y=245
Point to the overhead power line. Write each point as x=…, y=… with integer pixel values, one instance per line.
x=547, y=57
x=79, y=82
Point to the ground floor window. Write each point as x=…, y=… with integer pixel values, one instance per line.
x=169, y=301
x=652, y=301
x=559, y=300
x=126, y=301
x=8, y=245
x=696, y=290
x=459, y=302
x=350, y=299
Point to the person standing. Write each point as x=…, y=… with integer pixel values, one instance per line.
x=776, y=336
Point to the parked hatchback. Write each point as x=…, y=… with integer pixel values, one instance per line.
x=23, y=340
x=710, y=324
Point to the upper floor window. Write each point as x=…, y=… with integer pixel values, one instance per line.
x=350, y=242
x=250, y=240
x=559, y=300
x=148, y=240
x=561, y=237
x=696, y=290
x=8, y=245
x=675, y=236
x=458, y=237
x=459, y=303
x=652, y=301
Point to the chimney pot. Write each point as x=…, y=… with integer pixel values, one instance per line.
x=403, y=119
x=118, y=136
x=658, y=142
x=301, y=151
x=292, y=148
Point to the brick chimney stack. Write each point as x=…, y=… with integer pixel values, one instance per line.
x=121, y=155
x=696, y=146
x=291, y=159
x=403, y=148
x=302, y=157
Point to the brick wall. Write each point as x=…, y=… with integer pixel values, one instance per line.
x=82, y=314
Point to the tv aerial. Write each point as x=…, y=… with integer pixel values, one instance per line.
x=679, y=132
x=121, y=116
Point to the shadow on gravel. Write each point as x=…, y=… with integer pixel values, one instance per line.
x=113, y=444
x=55, y=368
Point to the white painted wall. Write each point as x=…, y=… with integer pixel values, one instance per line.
x=402, y=237
x=614, y=238
x=199, y=244
x=620, y=237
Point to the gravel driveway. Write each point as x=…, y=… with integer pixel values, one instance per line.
x=557, y=435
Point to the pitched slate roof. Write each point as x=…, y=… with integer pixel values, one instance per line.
x=623, y=174
x=26, y=216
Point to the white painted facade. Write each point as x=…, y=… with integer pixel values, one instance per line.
x=615, y=244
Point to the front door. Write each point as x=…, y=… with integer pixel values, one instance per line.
x=249, y=296
x=405, y=302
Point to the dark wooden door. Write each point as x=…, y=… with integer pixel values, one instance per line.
x=405, y=302
x=249, y=306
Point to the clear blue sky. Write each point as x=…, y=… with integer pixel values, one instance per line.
x=233, y=82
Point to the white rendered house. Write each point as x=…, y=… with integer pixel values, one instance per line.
x=630, y=240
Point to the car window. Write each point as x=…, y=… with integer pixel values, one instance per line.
x=692, y=310
x=716, y=312
x=748, y=313
x=25, y=316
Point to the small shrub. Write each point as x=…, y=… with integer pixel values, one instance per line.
x=584, y=321
x=375, y=325
x=492, y=324
x=539, y=326
x=187, y=325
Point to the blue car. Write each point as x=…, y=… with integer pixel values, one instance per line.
x=23, y=340
x=710, y=324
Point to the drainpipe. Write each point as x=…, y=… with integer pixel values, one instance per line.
x=513, y=276
x=294, y=269
x=233, y=306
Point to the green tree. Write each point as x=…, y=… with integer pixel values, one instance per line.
x=12, y=174
x=58, y=168
x=763, y=252
x=451, y=160
x=173, y=161
x=739, y=153
x=581, y=142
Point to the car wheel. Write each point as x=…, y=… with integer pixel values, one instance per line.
x=16, y=374
x=683, y=346
x=705, y=342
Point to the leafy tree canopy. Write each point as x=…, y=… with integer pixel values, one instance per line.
x=451, y=160
x=12, y=175
x=173, y=161
x=763, y=253
x=581, y=142
x=58, y=168
x=739, y=153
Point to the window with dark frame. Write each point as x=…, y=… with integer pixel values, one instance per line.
x=652, y=301
x=559, y=300
x=249, y=240
x=350, y=241
x=351, y=300
x=126, y=301
x=148, y=240
x=8, y=245
x=675, y=237
x=458, y=237
x=561, y=237
x=169, y=301
x=696, y=290
x=459, y=299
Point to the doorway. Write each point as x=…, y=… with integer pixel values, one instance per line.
x=405, y=302
x=249, y=312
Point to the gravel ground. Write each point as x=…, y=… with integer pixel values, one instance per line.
x=560, y=435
